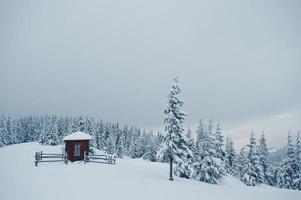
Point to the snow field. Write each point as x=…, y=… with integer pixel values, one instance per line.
x=128, y=179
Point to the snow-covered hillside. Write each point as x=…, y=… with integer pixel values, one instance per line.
x=128, y=179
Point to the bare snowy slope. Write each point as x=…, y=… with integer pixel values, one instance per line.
x=128, y=179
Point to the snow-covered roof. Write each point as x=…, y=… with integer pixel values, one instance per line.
x=78, y=135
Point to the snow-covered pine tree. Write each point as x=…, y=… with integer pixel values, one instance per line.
x=136, y=144
x=5, y=139
x=11, y=136
x=220, y=147
x=265, y=161
x=60, y=128
x=74, y=125
x=52, y=136
x=208, y=167
x=111, y=140
x=151, y=147
x=134, y=147
x=219, y=142
x=99, y=129
x=45, y=129
x=276, y=176
x=163, y=152
x=63, y=125
x=3, y=131
x=29, y=131
x=18, y=131
x=201, y=134
x=49, y=134
x=120, y=152
x=298, y=149
x=129, y=133
x=159, y=138
x=252, y=173
x=242, y=161
x=288, y=170
x=297, y=179
x=105, y=137
x=144, y=140
x=230, y=156
x=89, y=128
x=81, y=124
x=34, y=129
x=174, y=142
x=190, y=140
x=124, y=132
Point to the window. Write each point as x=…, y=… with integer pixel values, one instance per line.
x=77, y=150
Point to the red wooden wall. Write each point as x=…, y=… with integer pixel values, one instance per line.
x=69, y=148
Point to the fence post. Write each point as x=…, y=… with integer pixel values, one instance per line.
x=36, y=161
x=85, y=157
x=66, y=158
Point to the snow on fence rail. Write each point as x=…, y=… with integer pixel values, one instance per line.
x=100, y=158
x=50, y=157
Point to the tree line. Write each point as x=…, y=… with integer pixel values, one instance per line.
x=205, y=155
x=110, y=137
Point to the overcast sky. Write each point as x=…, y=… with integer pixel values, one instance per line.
x=238, y=62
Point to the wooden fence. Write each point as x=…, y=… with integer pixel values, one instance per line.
x=50, y=157
x=100, y=158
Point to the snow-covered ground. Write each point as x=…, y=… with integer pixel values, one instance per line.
x=128, y=179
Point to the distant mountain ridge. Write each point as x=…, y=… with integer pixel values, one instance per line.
x=277, y=154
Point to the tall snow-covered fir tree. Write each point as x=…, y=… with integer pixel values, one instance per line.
x=265, y=161
x=230, y=156
x=252, y=173
x=208, y=166
x=175, y=142
x=219, y=142
x=288, y=171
